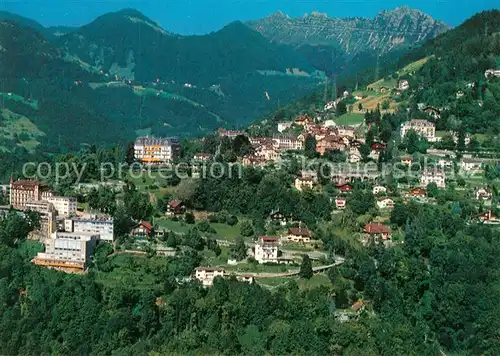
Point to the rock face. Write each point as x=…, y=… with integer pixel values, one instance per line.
x=395, y=29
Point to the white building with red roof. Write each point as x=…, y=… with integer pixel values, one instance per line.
x=266, y=249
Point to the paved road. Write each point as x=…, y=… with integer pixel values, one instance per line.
x=339, y=261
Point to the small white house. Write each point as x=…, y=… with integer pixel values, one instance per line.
x=385, y=203
x=379, y=189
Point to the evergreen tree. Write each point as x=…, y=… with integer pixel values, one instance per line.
x=306, y=270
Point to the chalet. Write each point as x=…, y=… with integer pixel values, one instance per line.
x=143, y=229
x=482, y=194
x=379, y=189
x=417, y=193
x=202, y=157
x=358, y=307
x=330, y=143
x=377, y=146
x=175, y=207
x=433, y=175
x=385, y=203
x=432, y=112
x=280, y=217
x=377, y=232
x=302, y=183
x=340, y=203
x=304, y=120
x=488, y=218
x=206, y=275
x=299, y=234
x=266, y=249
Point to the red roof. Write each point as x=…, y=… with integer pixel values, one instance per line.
x=145, y=224
x=175, y=203
x=345, y=188
x=377, y=228
x=269, y=239
x=378, y=146
x=297, y=231
x=26, y=183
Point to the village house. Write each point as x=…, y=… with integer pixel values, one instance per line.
x=488, y=218
x=433, y=175
x=403, y=84
x=379, y=189
x=266, y=249
x=444, y=163
x=206, y=275
x=282, y=126
x=267, y=152
x=330, y=143
x=346, y=131
x=417, y=193
x=471, y=164
x=377, y=232
x=304, y=120
x=309, y=174
x=299, y=234
x=332, y=105
x=385, y=203
x=302, y=183
x=432, y=112
x=287, y=142
x=482, y=194
x=142, y=230
x=344, y=188
x=280, y=217
x=202, y=157
x=231, y=133
x=175, y=207
x=253, y=161
x=424, y=128
x=459, y=94
x=340, y=203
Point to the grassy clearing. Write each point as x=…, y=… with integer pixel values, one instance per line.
x=413, y=67
x=317, y=280
x=259, y=268
x=133, y=272
x=350, y=119
x=19, y=128
x=179, y=227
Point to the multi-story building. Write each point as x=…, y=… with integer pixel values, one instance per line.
x=152, y=150
x=282, y=126
x=433, y=175
x=266, y=249
x=422, y=127
x=23, y=191
x=65, y=206
x=287, y=142
x=302, y=183
x=100, y=225
x=403, y=84
x=206, y=275
x=330, y=143
x=48, y=223
x=68, y=250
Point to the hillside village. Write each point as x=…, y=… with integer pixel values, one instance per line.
x=363, y=219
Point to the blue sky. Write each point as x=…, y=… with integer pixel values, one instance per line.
x=203, y=16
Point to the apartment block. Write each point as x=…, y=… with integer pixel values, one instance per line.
x=65, y=206
x=100, y=225
x=72, y=250
x=155, y=151
x=422, y=127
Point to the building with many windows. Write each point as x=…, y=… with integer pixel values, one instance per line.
x=433, y=175
x=24, y=191
x=65, y=206
x=266, y=249
x=100, y=225
x=206, y=275
x=422, y=127
x=72, y=250
x=154, y=151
